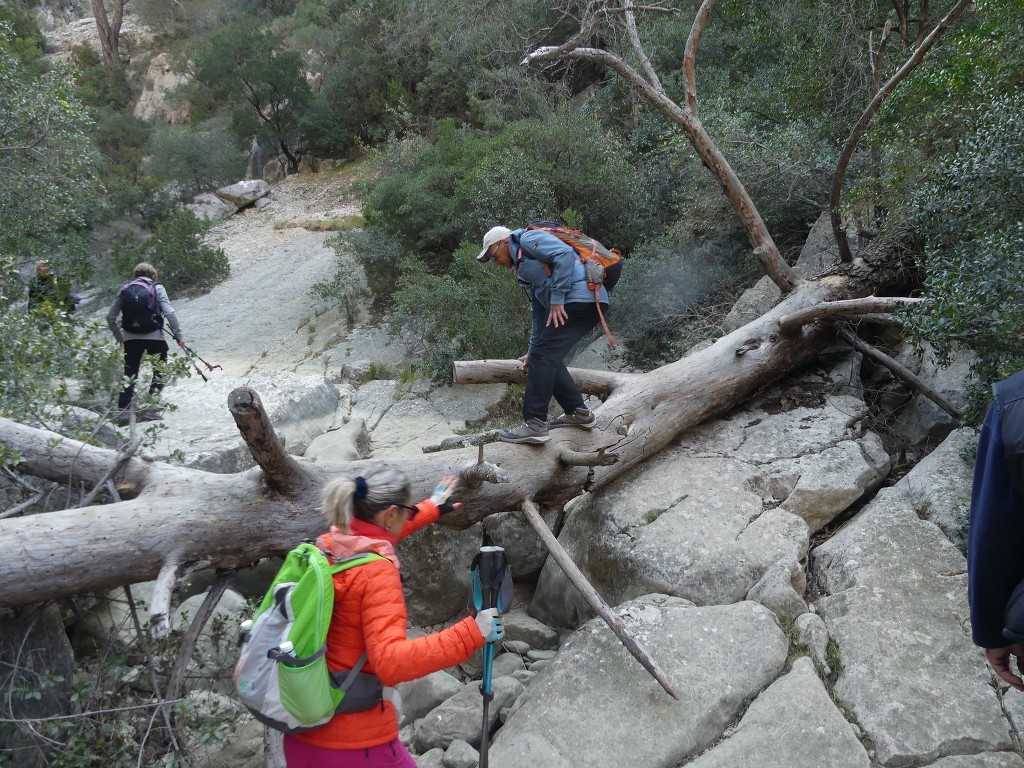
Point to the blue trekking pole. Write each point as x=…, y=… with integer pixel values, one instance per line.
x=492, y=588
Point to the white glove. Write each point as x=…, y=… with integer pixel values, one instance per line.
x=490, y=624
x=445, y=488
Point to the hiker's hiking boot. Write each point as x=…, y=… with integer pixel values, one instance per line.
x=534, y=432
x=581, y=418
x=151, y=414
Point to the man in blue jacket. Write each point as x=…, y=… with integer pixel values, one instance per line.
x=563, y=310
x=995, y=542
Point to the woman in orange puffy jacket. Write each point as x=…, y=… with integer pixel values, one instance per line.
x=371, y=513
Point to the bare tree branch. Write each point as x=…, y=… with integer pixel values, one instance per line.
x=764, y=246
x=900, y=371
x=861, y=126
x=833, y=309
x=690, y=55
x=575, y=575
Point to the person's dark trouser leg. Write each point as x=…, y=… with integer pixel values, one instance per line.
x=133, y=349
x=157, y=349
x=547, y=375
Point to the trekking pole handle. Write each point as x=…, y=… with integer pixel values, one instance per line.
x=492, y=580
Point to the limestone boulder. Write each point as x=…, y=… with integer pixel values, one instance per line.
x=210, y=207
x=155, y=103
x=939, y=486
x=435, y=569
x=594, y=705
x=680, y=524
x=895, y=605
x=244, y=193
x=921, y=420
x=791, y=724
x=349, y=442
x=459, y=718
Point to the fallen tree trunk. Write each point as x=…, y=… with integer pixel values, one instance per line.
x=176, y=519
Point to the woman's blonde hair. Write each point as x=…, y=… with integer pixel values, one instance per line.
x=145, y=269
x=362, y=497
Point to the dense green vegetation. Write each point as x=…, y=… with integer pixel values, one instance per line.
x=460, y=136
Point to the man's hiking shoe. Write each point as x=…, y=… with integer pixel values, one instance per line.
x=582, y=418
x=534, y=432
x=123, y=418
x=150, y=414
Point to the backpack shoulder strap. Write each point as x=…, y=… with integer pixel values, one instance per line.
x=337, y=566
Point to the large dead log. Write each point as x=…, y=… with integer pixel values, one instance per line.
x=179, y=519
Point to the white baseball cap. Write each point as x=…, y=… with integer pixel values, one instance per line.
x=494, y=235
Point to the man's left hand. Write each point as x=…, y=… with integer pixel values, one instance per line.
x=557, y=315
x=999, y=658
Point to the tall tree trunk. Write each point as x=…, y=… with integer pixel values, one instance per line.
x=109, y=30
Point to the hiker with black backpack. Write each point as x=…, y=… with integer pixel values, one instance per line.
x=371, y=513
x=566, y=303
x=136, y=318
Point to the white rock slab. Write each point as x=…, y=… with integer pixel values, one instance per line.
x=594, y=705
x=896, y=606
x=792, y=724
x=299, y=406
x=939, y=486
x=679, y=524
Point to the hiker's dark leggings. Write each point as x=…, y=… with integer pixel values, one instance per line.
x=547, y=375
x=134, y=349
x=299, y=754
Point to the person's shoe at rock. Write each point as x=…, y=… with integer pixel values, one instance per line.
x=123, y=417
x=151, y=414
x=534, y=432
x=581, y=418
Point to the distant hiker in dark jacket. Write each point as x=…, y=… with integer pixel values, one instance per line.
x=995, y=544
x=563, y=311
x=150, y=342
x=46, y=288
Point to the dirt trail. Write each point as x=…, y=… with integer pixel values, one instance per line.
x=259, y=315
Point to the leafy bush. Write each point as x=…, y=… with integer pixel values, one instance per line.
x=435, y=194
x=972, y=217
x=472, y=312
x=47, y=163
x=48, y=363
x=177, y=250
x=195, y=158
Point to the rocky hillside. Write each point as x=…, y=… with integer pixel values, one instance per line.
x=811, y=610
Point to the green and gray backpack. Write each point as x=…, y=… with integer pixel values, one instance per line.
x=282, y=674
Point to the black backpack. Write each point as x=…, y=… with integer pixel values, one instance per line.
x=140, y=311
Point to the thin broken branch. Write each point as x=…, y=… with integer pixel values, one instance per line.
x=593, y=598
x=690, y=54
x=861, y=126
x=900, y=372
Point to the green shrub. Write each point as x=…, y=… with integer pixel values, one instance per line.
x=177, y=250
x=472, y=312
x=195, y=158
x=972, y=218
